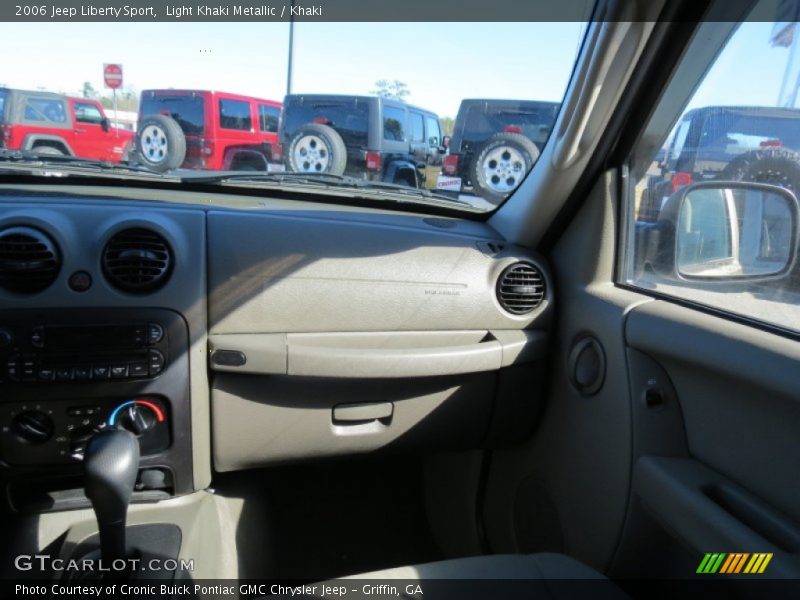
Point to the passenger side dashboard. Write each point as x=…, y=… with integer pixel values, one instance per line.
x=291, y=331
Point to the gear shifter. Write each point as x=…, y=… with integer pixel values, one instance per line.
x=111, y=464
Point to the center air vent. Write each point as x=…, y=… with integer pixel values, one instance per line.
x=520, y=288
x=29, y=260
x=137, y=260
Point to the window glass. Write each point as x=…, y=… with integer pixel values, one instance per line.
x=394, y=124
x=87, y=113
x=235, y=114
x=240, y=85
x=187, y=110
x=268, y=117
x=416, y=127
x=434, y=131
x=45, y=109
x=696, y=231
x=3, y=95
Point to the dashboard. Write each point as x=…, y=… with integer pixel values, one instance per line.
x=228, y=334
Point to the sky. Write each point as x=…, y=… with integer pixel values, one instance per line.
x=441, y=63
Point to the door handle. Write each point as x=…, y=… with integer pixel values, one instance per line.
x=80, y=131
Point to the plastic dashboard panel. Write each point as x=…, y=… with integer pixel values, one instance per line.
x=335, y=306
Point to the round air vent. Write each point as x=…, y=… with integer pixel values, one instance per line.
x=137, y=260
x=29, y=260
x=520, y=288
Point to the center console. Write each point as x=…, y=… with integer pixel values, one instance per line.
x=67, y=374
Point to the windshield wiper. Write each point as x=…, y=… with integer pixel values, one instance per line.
x=38, y=160
x=330, y=180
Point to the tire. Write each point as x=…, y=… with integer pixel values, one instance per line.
x=777, y=166
x=317, y=148
x=48, y=150
x=501, y=165
x=160, y=143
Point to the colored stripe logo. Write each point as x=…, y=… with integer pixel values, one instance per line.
x=734, y=563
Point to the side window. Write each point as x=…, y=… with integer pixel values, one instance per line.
x=416, y=127
x=87, y=113
x=235, y=114
x=394, y=120
x=433, y=130
x=268, y=118
x=45, y=109
x=699, y=228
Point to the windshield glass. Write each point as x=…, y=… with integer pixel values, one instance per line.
x=457, y=111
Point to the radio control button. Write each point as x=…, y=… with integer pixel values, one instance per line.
x=46, y=374
x=37, y=338
x=137, y=369
x=155, y=333
x=119, y=371
x=100, y=372
x=83, y=373
x=140, y=335
x=64, y=374
x=156, y=362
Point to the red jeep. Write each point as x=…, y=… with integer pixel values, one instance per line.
x=50, y=123
x=197, y=129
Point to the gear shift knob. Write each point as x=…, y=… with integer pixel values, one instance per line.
x=111, y=463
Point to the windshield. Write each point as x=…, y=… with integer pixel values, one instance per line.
x=456, y=111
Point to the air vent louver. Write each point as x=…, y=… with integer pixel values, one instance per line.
x=520, y=288
x=29, y=260
x=137, y=261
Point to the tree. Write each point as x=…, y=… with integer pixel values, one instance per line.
x=89, y=91
x=447, y=124
x=391, y=89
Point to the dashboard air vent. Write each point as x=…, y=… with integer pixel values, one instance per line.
x=137, y=260
x=29, y=260
x=520, y=288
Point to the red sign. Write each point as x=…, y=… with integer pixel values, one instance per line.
x=112, y=75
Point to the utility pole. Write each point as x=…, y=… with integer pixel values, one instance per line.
x=291, y=51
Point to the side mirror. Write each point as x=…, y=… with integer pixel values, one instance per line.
x=105, y=124
x=731, y=231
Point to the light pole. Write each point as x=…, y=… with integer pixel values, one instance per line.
x=291, y=50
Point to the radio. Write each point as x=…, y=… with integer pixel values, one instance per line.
x=35, y=353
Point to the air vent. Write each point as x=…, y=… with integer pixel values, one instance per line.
x=29, y=260
x=520, y=288
x=137, y=261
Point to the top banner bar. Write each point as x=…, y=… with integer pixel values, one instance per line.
x=325, y=11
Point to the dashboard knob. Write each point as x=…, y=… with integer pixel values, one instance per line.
x=136, y=418
x=33, y=426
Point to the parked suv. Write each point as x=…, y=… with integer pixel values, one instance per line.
x=364, y=136
x=735, y=143
x=197, y=129
x=494, y=145
x=55, y=124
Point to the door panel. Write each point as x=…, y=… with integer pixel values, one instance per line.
x=738, y=391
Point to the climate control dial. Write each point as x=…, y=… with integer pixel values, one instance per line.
x=136, y=416
x=33, y=426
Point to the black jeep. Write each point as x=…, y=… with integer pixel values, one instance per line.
x=369, y=137
x=494, y=145
x=732, y=143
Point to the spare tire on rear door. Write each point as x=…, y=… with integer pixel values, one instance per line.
x=317, y=148
x=501, y=165
x=778, y=166
x=160, y=143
